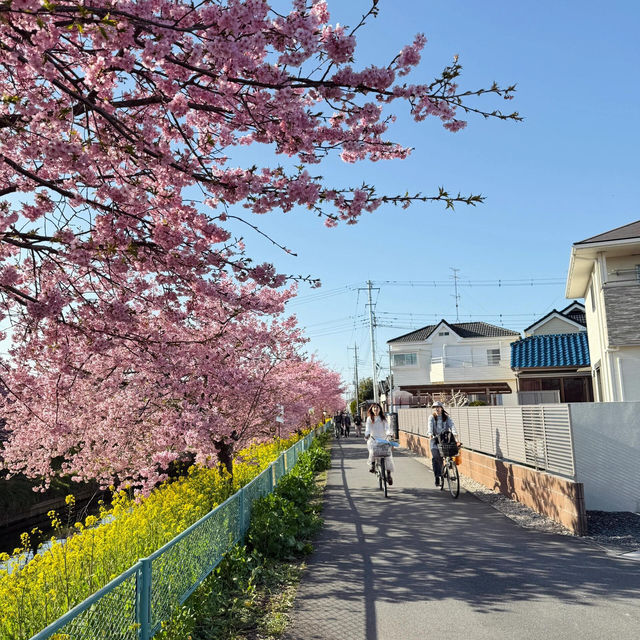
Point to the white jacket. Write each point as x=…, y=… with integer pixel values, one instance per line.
x=378, y=429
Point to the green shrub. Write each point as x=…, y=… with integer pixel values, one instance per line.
x=280, y=529
x=231, y=600
x=314, y=460
x=298, y=489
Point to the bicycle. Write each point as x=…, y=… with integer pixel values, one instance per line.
x=381, y=451
x=449, y=469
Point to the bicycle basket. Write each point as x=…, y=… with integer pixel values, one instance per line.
x=381, y=450
x=448, y=449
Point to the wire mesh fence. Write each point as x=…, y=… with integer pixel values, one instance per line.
x=134, y=605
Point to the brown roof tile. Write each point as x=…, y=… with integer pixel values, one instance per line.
x=463, y=329
x=626, y=232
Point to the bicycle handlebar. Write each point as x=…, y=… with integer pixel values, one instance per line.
x=393, y=443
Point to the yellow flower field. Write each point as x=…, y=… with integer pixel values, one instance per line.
x=65, y=574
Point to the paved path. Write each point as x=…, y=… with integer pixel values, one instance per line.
x=419, y=565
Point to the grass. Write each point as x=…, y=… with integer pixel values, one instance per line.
x=266, y=615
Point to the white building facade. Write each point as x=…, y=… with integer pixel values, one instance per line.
x=468, y=357
x=605, y=271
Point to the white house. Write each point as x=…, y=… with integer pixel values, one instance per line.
x=472, y=357
x=605, y=271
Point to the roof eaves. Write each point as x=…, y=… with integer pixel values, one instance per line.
x=537, y=322
x=575, y=303
x=405, y=335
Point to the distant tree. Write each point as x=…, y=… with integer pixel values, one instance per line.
x=365, y=389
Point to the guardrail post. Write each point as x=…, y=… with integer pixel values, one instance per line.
x=242, y=514
x=143, y=596
x=271, y=482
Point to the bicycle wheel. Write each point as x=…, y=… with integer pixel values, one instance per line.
x=383, y=474
x=453, y=478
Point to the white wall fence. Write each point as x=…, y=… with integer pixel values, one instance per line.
x=607, y=448
x=597, y=444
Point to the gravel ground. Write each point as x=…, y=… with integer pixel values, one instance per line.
x=616, y=532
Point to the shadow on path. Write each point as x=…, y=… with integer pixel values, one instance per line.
x=421, y=546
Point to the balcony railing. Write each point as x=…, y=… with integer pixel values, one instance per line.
x=453, y=362
x=452, y=369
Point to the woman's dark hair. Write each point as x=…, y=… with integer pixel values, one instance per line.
x=370, y=412
x=445, y=415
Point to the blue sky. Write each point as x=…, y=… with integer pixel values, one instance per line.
x=568, y=172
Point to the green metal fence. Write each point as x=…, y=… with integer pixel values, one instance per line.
x=134, y=605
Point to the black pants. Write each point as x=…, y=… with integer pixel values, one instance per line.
x=436, y=462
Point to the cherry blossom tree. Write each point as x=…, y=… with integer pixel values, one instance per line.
x=123, y=410
x=126, y=294
x=112, y=111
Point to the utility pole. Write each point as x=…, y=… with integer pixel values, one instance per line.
x=355, y=348
x=455, y=288
x=373, y=345
x=391, y=399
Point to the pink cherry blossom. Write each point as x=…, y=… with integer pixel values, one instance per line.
x=143, y=331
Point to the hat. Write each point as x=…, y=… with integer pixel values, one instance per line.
x=437, y=404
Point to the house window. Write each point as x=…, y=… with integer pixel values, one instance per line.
x=443, y=333
x=597, y=382
x=493, y=357
x=405, y=359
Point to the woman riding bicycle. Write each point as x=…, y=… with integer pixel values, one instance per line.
x=377, y=426
x=439, y=422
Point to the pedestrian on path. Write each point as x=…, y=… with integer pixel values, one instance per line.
x=346, y=423
x=357, y=421
x=439, y=421
x=377, y=426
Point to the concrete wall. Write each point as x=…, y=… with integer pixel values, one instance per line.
x=606, y=442
x=555, y=497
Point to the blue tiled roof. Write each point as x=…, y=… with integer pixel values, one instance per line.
x=555, y=350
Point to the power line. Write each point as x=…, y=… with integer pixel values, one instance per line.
x=530, y=282
x=331, y=331
x=321, y=295
x=396, y=315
